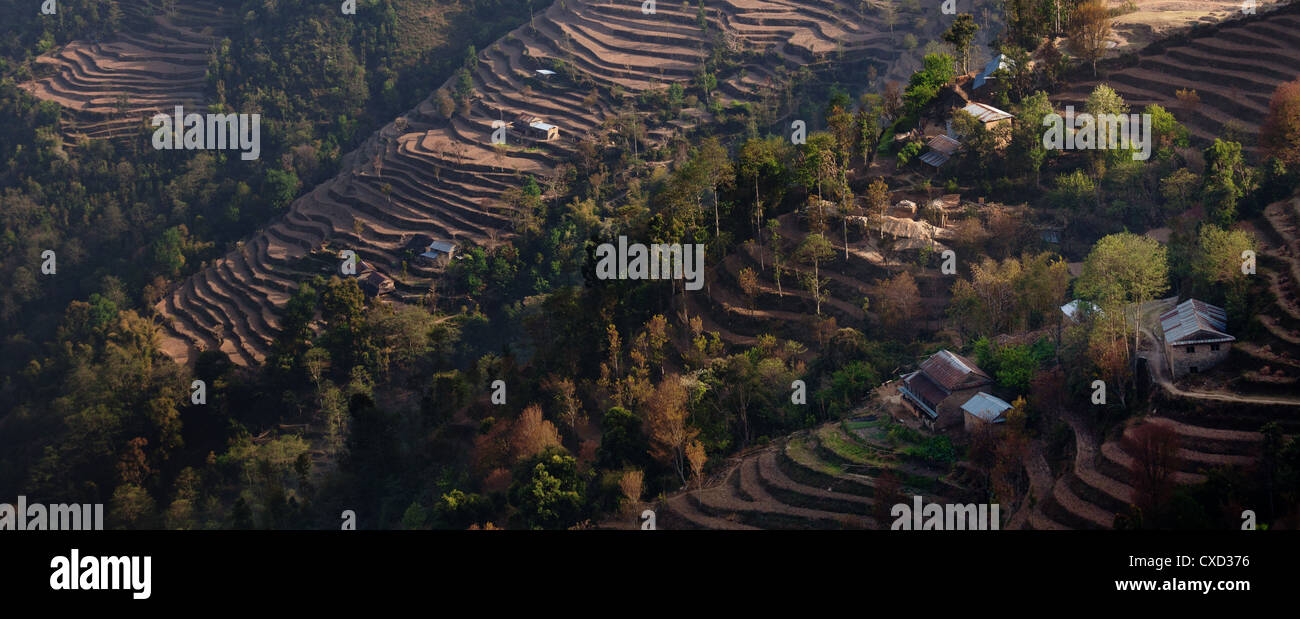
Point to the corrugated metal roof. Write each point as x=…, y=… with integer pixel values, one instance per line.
x=1072, y=309
x=537, y=124
x=1195, y=322
x=953, y=372
x=998, y=62
x=934, y=158
x=986, y=407
x=985, y=112
x=445, y=247
x=944, y=144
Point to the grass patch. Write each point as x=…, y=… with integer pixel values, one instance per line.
x=799, y=451
x=844, y=447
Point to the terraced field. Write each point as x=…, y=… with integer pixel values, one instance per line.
x=109, y=89
x=1233, y=69
x=820, y=479
x=426, y=175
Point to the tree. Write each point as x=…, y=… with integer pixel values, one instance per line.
x=1089, y=31
x=1227, y=180
x=631, y=483
x=548, y=491
x=877, y=198
x=714, y=165
x=1279, y=136
x=622, y=441
x=814, y=250
x=1124, y=269
x=1026, y=149
x=960, y=34
x=938, y=70
x=666, y=424
x=899, y=301
x=749, y=285
x=696, y=457
x=1216, y=264
x=531, y=434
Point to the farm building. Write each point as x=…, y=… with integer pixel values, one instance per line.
x=1194, y=337
x=372, y=282
x=437, y=252
x=535, y=128
x=998, y=62
x=983, y=408
x=375, y=284
x=937, y=390
x=987, y=114
x=1075, y=310
x=942, y=148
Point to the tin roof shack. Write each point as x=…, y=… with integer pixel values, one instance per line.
x=1077, y=310
x=534, y=128
x=432, y=251
x=998, y=62
x=942, y=148
x=984, y=410
x=1194, y=337
x=937, y=390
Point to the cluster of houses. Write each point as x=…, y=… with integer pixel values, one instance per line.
x=943, y=146
x=949, y=390
x=428, y=251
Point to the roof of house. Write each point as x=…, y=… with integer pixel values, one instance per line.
x=985, y=112
x=953, y=371
x=1072, y=309
x=545, y=71
x=934, y=158
x=445, y=247
x=998, y=62
x=944, y=144
x=987, y=407
x=537, y=124
x=1195, y=322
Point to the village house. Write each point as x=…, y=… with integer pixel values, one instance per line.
x=1194, y=337
x=535, y=128
x=434, y=252
x=942, y=148
x=988, y=115
x=998, y=62
x=940, y=387
x=1075, y=310
x=372, y=282
x=983, y=409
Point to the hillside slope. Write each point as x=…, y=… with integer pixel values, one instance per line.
x=426, y=175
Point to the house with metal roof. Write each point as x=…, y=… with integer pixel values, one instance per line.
x=982, y=410
x=1075, y=310
x=987, y=114
x=999, y=62
x=942, y=148
x=1195, y=337
x=940, y=386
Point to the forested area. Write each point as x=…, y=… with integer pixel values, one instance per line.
x=525, y=392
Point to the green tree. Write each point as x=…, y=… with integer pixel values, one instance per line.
x=960, y=34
